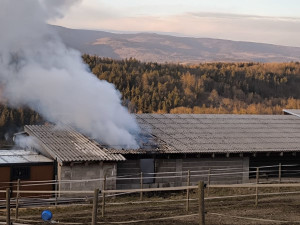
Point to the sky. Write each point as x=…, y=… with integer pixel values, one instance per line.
x=267, y=21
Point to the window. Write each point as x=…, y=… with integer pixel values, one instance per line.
x=147, y=167
x=20, y=172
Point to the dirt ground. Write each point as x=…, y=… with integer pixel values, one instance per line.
x=283, y=209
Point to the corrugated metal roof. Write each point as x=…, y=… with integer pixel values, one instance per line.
x=67, y=145
x=182, y=133
x=217, y=133
x=22, y=156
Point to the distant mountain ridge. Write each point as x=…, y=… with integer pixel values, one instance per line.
x=165, y=48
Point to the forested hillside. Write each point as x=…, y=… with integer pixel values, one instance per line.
x=13, y=120
x=253, y=88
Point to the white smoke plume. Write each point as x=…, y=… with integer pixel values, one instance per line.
x=26, y=142
x=39, y=71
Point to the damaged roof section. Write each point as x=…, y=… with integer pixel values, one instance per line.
x=180, y=134
x=217, y=133
x=67, y=145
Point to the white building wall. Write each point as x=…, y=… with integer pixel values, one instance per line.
x=86, y=176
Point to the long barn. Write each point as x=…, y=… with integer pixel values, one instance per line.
x=173, y=144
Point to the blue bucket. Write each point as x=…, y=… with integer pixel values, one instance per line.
x=46, y=215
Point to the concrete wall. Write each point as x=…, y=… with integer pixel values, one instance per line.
x=86, y=171
x=238, y=171
x=174, y=167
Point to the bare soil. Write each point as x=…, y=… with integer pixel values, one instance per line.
x=282, y=209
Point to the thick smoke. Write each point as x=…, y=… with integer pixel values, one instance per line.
x=37, y=70
x=26, y=142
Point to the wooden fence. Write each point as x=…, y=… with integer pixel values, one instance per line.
x=103, y=193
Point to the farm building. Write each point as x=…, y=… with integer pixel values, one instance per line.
x=174, y=143
x=27, y=166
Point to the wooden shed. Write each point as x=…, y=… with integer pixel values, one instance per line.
x=27, y=166
x=76, y=157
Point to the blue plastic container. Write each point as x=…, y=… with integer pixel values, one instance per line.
x=46, y=215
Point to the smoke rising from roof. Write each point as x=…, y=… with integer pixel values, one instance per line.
x=26, y=142
x=37, y=70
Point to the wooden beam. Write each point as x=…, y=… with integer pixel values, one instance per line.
x=279, y=173
x=103, y=196
x=208, y=181
x=141, y=184
x=95, y=207
x=8, y=207
x=256, y=188
x=201, y=203
x=17, y=200
x=188, y=192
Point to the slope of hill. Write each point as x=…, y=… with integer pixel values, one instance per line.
x=166, y=48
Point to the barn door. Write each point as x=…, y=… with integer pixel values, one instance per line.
x=147, y=167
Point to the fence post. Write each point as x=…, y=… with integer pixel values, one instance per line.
x=56, y=188
x=8, y=206
x=279, y=175
x=256, y=190
x=59, y=188
x=257, y=175
x=201, y=203
x=17, y=200
x=188, y=192
x=208, y=181
x=103, y=196
x=95, y=206
x=141, y=183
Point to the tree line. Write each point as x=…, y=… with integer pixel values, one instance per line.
x=13, y=120
x=147, y=87
x=252, y=88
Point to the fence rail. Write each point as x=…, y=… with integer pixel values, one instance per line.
x=35, y=198
x=102, y=195
x=213, y=172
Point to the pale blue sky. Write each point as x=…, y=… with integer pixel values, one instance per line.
x=269, y=21
x=289, y=8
